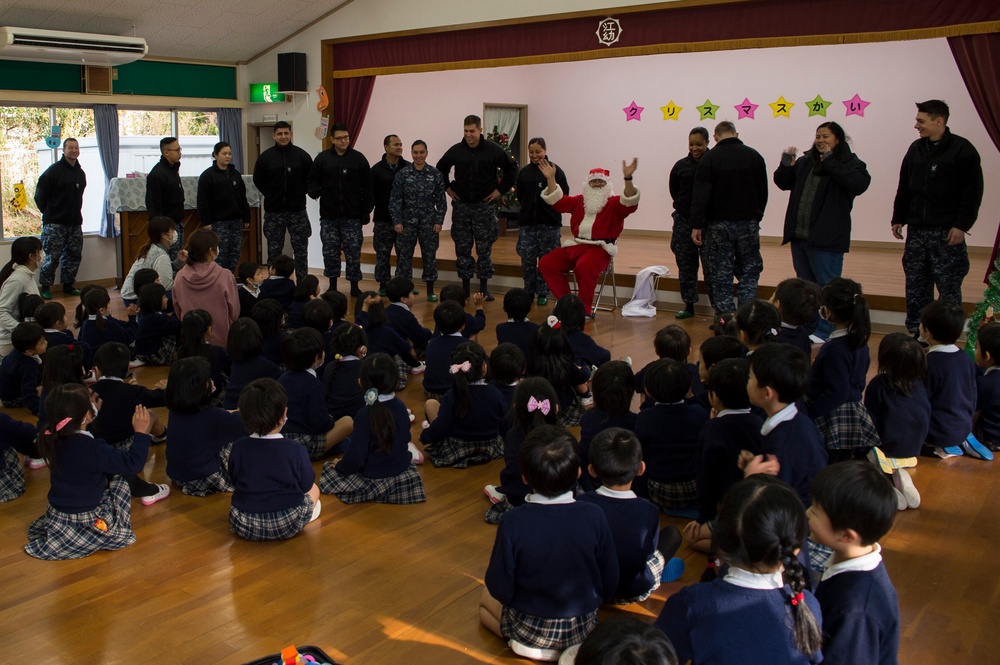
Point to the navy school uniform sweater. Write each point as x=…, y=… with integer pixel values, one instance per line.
x=838, y=376
x=593, y=422
x=474, y=324
x=585, y=350
x=281, y=289
x=669, y=437
x=151, y=330
x=242, y=373
x=951, y=388
x=114, y=331
x=902, y=420
x=511, y=483
x=80, y=469
x=65, y=337
x=437, y=378
x=248, y=299
x=553, y=560
x=118, y=401
x=508, y=400
x=516, y=332
x=219, y=362
x=799, y=447
x=797, y=336
x=480, y=423
x=272, y=348
x=18, y=435
x=383, y=339
x=363, y=455
x=698, y=389
x=329, y=350
x=635, y=528
x=270, y=474
x=195, y=439
x=860, y=618
x=293, y=318
x=344, y=396
x=719, y=444
x=577, y=376
x=307, y=412
x=406, y=325
x=20, y=376
x=988, y=405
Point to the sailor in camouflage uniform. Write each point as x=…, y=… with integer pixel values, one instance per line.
x=383, y=235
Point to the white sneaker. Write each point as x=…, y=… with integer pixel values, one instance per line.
x=424, y=424
x=35, y=463
x=493, y=494
x=419, y=369
x=159, y=496
x=534, y=653
x=316, y=510
x=409, y=414
x=908, y=489
x=136, y=363
x=418, y=457
x=568, y=656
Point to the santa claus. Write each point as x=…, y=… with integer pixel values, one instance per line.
x=596, y=218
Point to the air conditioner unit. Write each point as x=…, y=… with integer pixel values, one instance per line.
x=71, y=48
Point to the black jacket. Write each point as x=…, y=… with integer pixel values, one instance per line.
x=59, y=194
x=343, y=185
x=476, y=170
x=681, y=185
x=529, y=186
x=383, y=175
x=164, y=191
x=939, y=185
x=281, y=174
x=222, y=195
x=729, y=185
x=840, y=180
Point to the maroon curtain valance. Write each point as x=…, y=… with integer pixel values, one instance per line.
x=350, y=103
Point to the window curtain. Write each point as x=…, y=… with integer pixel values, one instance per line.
x=978, y=60
x=506, y=120
x=350, y=103
x=231, y=131
x=106, y=124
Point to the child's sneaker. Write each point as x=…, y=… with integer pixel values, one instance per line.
x=419, y=369
x=35, y=463
x=418, y=457
x=534, y=653
x=424, y=424
x=159, y=439
x=973, y=448
x=493, y=494
x=904, y=484
x=949, y=451
x=409, y=414
x=159, y=496
x=136, y=363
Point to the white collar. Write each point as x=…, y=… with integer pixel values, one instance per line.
x=23, y=268
x=91, y=317
x=311, y=371
x=731, y=412
x=112, y=378
x=747, y=580
x=276, y=277
x=991, y=369
x=455, y=334
x=839, y=332
x=782, y=416
x=85, y=433
x=399, y=304
x=266, y=436
x=943, y=348
x=616, y=494
x=346, y=358
x=37, y=359
x=52, y=330
x=566, y=497
x=863, y=563
x=668, y=403
x=388, y=397
x=789, y=326
x=514, y=321
x=255, y=291
x=480, y=382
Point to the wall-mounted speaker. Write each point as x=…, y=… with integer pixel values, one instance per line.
x=292, y=72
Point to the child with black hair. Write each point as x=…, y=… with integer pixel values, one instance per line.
x=839, y=373
x=279, y=285
x=473, y=323
x=553, y=562
x=449, y=319
x=986, y=421
x=142, y=277
x=507, y=365
x=570, y=311
x=341, y=379
x=316, y=314
x=721, y=440
x=668, y=431
x=464, y=427
x=80, y=313
x=156, y=337
x=15, y=437
x=275, y=494
x=86, y=512
x=674, y=343
x=725, y=325
x=896, y=399
x=306, y=290
x=853, y=506
x=338, y=307
x=54, y=320
x=382, y=338
x=950, y=382
x=399, y=290
x=623, y=639
x=517, y=329
x=306, y=419
x=613, y=385
x=645, y=553
x=27, y=305
x=200, y=436
x=194, y=340
x=711, y=351
x=118, y=398
x=378, y=464
x=761, y=612
x=757, y=323
x=534, y=404
x=779, y=377
x=100, y=327
x=551, y=358
x=250, y=276
x=245, y=348
x=21, y=370
x=270, y=318
x=797, y=301
x=65, y=366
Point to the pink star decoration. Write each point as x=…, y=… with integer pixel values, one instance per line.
x=746, y=109
x=856, y=106
x=633, y=111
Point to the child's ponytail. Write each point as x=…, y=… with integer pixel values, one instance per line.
x=194, y=328
x=758, y=321
x=468, y=362
x=808, y=636
x=93, y=302
x=846, y=303
x=535, y=403
x=65, y=408
x=379, y=376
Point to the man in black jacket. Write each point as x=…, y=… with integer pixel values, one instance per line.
x=938, y=198
x=281, y=173
x=383, y=235
x=164, y=191
x=474, y=191
x=59, y=197
x=341, y=179
x=730, y=193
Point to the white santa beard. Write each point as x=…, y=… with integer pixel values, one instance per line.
x=594, y=200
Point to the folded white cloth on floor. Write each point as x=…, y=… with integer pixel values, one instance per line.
x=643, y=302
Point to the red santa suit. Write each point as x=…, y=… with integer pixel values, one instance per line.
x=589, y=251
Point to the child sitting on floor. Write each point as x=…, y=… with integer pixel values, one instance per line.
x=757, y=323
x=473, y=323
x=382, y=338
x=249, y=276
x=399, y=290
x=570, y=311
x=54, y=320
x=517, y=329
x=15, y=437
x=797, y=302
x=245, y=347
x=156, y=336
x=551, y=358
x=100, y=327
x=341, y=380
x=279, y=285
x=674, y=343
x=21, y=370
x=986, y=422
x=306, y=290
x=270, y=318
x=449, y=319
x=507, y=365
x=195, y=340
x=613, y=386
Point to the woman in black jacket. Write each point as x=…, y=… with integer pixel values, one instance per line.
x=222, y=204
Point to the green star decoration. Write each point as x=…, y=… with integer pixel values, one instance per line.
x=708, y=109
x=818, y=106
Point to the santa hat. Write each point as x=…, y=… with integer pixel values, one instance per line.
x=598, y=174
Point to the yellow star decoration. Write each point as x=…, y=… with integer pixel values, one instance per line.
x=781, y=107
x=671, y=111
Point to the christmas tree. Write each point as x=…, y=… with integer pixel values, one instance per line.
x=508, y=200
x=985, y=308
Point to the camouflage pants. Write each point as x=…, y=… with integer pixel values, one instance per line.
x=63, y=245
x=687, y=255
x=383, y=239
x=421, y=232
x=299, y=230
x=929, y=261
x=731, y=249
x=534, y=242
x=178, y=242
x=337, y=234
x=474, y=223
x=230, y=233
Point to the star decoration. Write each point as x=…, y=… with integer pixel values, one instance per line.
x=818, y=106
x=671, y=111
x=856, y=106
x=633, y=111
x=707, y=110
x=746, y=109
x=781, y=107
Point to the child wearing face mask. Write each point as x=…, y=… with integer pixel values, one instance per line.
x=17, y=277
x=153, y=255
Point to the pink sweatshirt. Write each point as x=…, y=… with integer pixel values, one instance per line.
x=210, y=287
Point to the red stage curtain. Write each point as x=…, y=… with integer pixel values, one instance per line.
x=350, y=102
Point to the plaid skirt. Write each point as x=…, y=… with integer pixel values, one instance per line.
x=279, y=525
x=164, y=355
x=543, y=633
x=655, y=563
x=460, y=454
x=12, y=403
x=315, y=444
x=11, y=476
x=495, y=510
x=405, y=488
x=124, y=444
x=848, y=426
x=571, y=416
x=429, y=395
x=404, y=372
x=220, y=394
x=56, y=536
x=217, y=482
x=673, y=495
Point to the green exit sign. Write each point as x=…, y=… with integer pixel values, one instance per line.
x=263, y=93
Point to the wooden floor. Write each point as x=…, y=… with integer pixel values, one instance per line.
x=378, y=584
